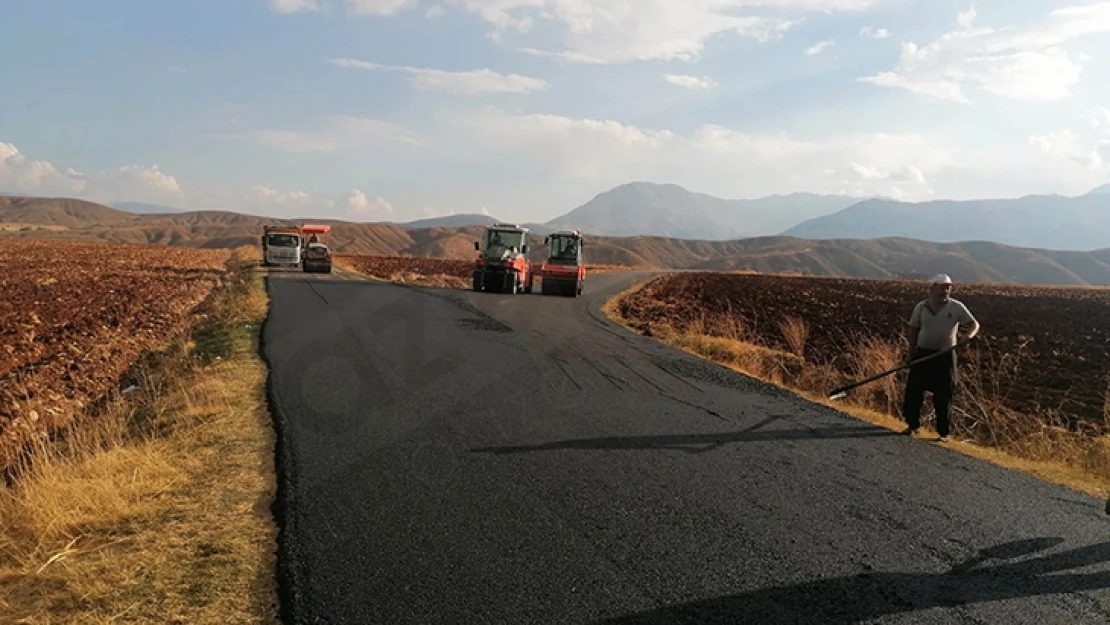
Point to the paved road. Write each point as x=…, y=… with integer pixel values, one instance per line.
x=453, y=457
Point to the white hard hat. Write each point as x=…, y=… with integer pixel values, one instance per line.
x=941, y=278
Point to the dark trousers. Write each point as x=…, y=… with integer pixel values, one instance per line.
x=937, y=376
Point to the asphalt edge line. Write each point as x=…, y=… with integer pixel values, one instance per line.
x=289, y=573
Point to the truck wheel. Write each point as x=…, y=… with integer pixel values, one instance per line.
x=477, y=283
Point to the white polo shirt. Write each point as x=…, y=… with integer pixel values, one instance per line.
x=938, y=329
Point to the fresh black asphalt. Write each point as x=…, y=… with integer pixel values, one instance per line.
x=455, y=457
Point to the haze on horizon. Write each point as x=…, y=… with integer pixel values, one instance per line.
x=524, y=109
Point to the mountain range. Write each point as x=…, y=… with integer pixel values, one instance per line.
x=885, y=257
x=644, y=208
x=1050, y=221
x=669, y=210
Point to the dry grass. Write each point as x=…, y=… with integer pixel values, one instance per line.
x=795, y=331
x=404, y=276
x=591, y=269
x=155, y=509
x=1043, y=443
x=435, y=280
x=20, y=227
x=873, y=356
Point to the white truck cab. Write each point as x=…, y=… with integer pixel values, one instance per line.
x=281, y=246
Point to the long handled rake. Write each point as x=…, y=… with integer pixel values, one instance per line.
x=843, y=391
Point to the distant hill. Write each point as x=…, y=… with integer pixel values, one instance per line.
x=62, y=212
x=468, y=219
x=644, y=208
x=968, y=261
x=140, y=208
x=976, y=261
x=1042, y=221
x=452, y=221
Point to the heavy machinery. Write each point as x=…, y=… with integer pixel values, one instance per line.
x=502, y=265
x=563, y=272
x=317, y=254
x=281, y=245
x=310, y=233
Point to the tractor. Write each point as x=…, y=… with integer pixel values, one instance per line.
x=563, y=272
x=503, y=265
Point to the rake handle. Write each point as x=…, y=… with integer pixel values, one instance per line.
x=845, y=389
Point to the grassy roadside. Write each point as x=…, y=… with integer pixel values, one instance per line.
x=1049, y=453
x=158, y=509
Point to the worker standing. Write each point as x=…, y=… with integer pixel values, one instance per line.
x=934, y=327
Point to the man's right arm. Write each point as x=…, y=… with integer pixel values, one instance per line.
x=912, y=330
x=911, y=336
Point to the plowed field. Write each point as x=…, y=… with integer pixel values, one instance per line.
x=386, y=267
x=75, y=316
x=1053, y=344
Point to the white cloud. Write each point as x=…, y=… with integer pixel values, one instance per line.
x=712, y=158
x=1019, y=63
x=966, y=19
x=286, y=7
x=690, y=82
x=356, y=204
x=466, y=83
x=340, y=132
x=580, y=154
x=263, y=197
x=434, y=11
x=617, y=31
x=378, y=7
x=573, y=57
x=19, y=174
x=136, y=183
x=820, y=47
x=1066, y=146
x=907, y=173
x=874, y=33
x=1097, y=118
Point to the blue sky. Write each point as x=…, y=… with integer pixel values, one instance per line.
x=402, y=109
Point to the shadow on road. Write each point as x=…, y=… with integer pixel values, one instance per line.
x=693, y=443
x=873, y=595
